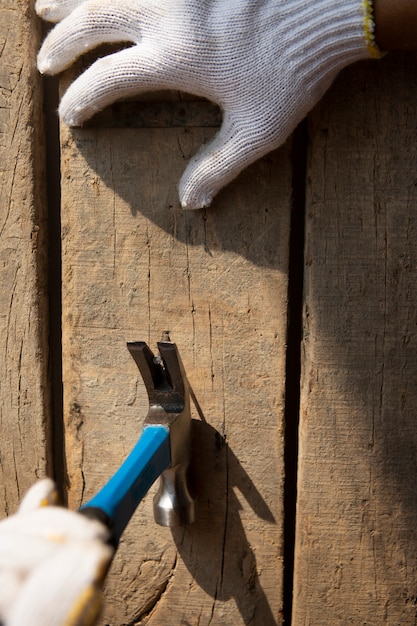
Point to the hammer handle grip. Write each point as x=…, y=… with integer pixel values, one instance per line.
x=119, y=498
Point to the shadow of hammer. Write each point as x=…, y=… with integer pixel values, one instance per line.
x=163, y=449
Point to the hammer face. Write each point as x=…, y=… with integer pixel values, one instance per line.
x=169, y=406
x=173, y=504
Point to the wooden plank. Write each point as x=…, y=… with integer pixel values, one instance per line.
x=23, y=313
x=356, y=547
x=136, y=265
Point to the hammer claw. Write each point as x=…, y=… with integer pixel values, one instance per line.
x=170, y=359
x=150, y=368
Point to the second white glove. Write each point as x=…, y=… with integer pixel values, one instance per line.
x=52, y=563
x=266, y=63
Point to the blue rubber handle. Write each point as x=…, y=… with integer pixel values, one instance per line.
x=119, y=498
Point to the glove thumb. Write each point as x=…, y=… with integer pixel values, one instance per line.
x=42, y=493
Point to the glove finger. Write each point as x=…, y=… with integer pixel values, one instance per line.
x=42, y=493
x=92, y=23
x=214, y=165
x=116, y=76
x=241, y=140
x=57, y=525
x=66, y=589
x=55, y=10
x=20, y=553
x=10, y=584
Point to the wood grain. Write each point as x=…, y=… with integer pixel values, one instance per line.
x=356, y=547
x=23, y=311
x=136, y=265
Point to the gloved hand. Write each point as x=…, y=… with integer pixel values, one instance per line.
x=52, y=563
x=266, y=63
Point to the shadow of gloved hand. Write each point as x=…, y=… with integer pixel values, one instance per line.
x=52, y=563
x=266, y=63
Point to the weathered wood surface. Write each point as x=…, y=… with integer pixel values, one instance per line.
x=23, y=314
x=136, y=265
x=356, y=548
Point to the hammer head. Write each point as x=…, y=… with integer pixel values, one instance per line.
x=169, y=406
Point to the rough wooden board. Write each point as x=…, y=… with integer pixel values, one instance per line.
x=356, y=547
x=23, y=319
x=135, y=265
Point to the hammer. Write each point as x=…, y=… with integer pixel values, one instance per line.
x=163, y=449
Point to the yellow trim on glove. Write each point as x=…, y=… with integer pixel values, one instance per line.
x=87, y=608
x=369, y=27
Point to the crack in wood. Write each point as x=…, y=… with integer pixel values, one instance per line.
x=152, y=604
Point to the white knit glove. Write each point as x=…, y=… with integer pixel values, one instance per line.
x=266, y=63
x=52, y=563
